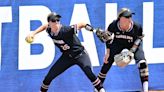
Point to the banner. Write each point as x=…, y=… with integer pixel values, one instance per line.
x=24, y=66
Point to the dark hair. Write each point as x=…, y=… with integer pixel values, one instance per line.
x=53, y=17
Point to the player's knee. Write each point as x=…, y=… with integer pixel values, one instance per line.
x=143, y=68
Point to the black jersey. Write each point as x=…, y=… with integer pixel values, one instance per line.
x=124, y=39
x=66, y=40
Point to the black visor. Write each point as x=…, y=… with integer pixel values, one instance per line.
x=53, y=17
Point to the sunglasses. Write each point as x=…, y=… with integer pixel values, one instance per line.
x=128, y=16
x=55, y=20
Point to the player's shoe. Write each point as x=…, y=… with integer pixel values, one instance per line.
x=101, y=90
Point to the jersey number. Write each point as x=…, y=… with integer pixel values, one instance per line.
x=65, y=47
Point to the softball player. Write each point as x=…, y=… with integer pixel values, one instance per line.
x=127, y=33
x=73, y=52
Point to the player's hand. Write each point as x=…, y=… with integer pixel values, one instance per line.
x=106, y=58
x=30, y=38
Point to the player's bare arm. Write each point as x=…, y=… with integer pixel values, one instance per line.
x=81, y=25
x=85, y=25
x=30, y=37
x=40, y=29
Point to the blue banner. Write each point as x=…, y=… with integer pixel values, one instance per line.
x=24, y=66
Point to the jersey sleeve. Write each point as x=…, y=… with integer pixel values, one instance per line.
x=108, y=45
x=70, y=30
x=111, y=26
x=110, y=29
x=140, y=31
x=74, y=28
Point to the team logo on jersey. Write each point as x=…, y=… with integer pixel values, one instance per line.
x=58, y=41
x=124, y=37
